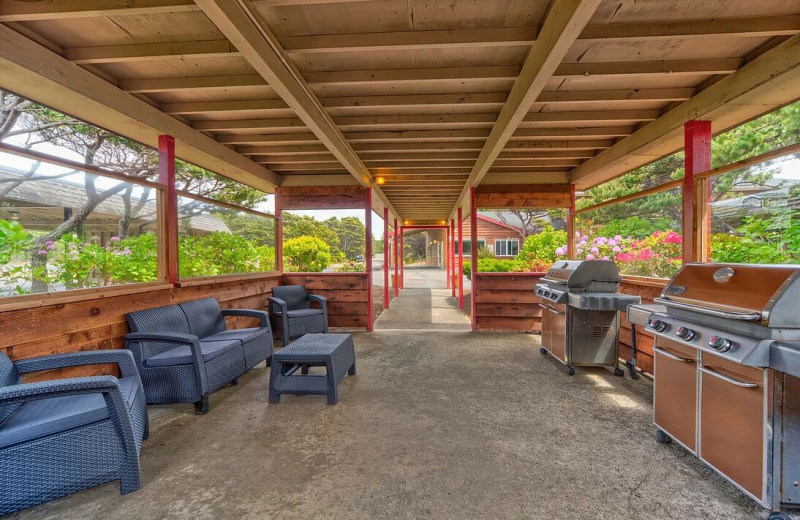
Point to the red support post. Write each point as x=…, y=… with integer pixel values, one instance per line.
x=278, y=231
x=697, y=148
x=571, y=224
x=473, y=233
x=386, y=247
x=452, y=255
x=446, y=255
x=166, y=176
x=368, y=257
x=396, y=277
x=402, y=258
x=460, y=260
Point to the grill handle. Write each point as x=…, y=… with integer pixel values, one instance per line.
x=554, y=281
x=740, y=316
x=551, y=309
x=728, y=379
x=673, y=356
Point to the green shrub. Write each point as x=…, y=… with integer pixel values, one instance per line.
x=539, y=251
x=306, y=254
x=351, y=267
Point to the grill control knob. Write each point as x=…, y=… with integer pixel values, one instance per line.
x=657, y=325
x=685, y=333
x=719, y=343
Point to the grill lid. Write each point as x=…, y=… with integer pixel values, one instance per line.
x=582, y=274
x=759, y=293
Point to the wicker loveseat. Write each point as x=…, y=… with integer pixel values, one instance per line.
x=58, y=437
x=184, y=351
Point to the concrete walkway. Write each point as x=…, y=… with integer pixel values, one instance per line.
x=445, y=425
x=424, y=304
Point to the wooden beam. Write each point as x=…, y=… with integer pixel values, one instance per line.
x=440, y=121
x=522, y=196
x=439, y=136
x=700, y=67
x=350, y=105
x=763, y=26
x=36, y=72
x=243, y=26
x=365, y=149
x=760, y=86
x=16, y=11
x=23, y=11
x=564, y=22
x=150, y=51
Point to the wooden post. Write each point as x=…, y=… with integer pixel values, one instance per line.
x=278, y=231
x=473, y=233
x=368, y=257
x=169, y=237
x=452, y=254
x=402, y=258
x=697, y=148
x=386, y=247
x=396, y=267
x=460, y=260
x=571, y=224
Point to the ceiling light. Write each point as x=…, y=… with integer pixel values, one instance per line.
x=380, y=180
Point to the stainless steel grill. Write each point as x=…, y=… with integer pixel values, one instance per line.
x=727, y=373
x=580, y=313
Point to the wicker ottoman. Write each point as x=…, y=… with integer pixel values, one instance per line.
x=333, y=351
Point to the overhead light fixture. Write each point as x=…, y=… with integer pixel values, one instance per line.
x=380, y=180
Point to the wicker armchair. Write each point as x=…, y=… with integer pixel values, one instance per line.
x=184, y=352
x=291, y=313
x=62, y=436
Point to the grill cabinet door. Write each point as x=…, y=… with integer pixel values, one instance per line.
x=547, y=327
x=732, y=406
x=559, y=332
x=675, y=395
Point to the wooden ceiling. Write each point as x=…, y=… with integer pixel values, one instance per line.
x=435, y=96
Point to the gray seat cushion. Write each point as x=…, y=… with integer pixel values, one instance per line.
x=295, y=296
x=243, y=335
x=302, y=313
x=182, y=355
x=43, y=417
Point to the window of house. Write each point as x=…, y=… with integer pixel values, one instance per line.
x=506, y=247
x=468, y=246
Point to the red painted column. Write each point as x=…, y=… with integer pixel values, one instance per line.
x=278, y=231
x=446, y=255
x=368, y=257
x=460, y=267
x=402, y=258
x=386, y=247
x=697, y=148
x=396, y=277
x=166, y=176
x=571, y=224
x=452, y=254
x=473, y=232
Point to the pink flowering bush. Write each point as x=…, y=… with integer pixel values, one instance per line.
x=657, y=255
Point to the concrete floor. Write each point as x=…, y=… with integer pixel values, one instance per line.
x=441, y=425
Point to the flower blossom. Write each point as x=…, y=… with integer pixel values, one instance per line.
x=590, y=257
x=115, y=239
x=41, y=252
x=617, y=249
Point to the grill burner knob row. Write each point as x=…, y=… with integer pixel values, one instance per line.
x=720, y=344
x=657, y=325
x=685, y=333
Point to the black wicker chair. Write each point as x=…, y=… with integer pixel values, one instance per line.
x=291, y=314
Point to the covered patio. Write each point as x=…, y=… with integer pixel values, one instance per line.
x=223, y=144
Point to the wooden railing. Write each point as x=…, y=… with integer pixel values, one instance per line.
x=507, y=301
x=98, y=321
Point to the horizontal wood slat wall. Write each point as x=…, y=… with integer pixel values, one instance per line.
x=647, y=289
x=99, y=322
x=347, y=293
x=507, y=301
